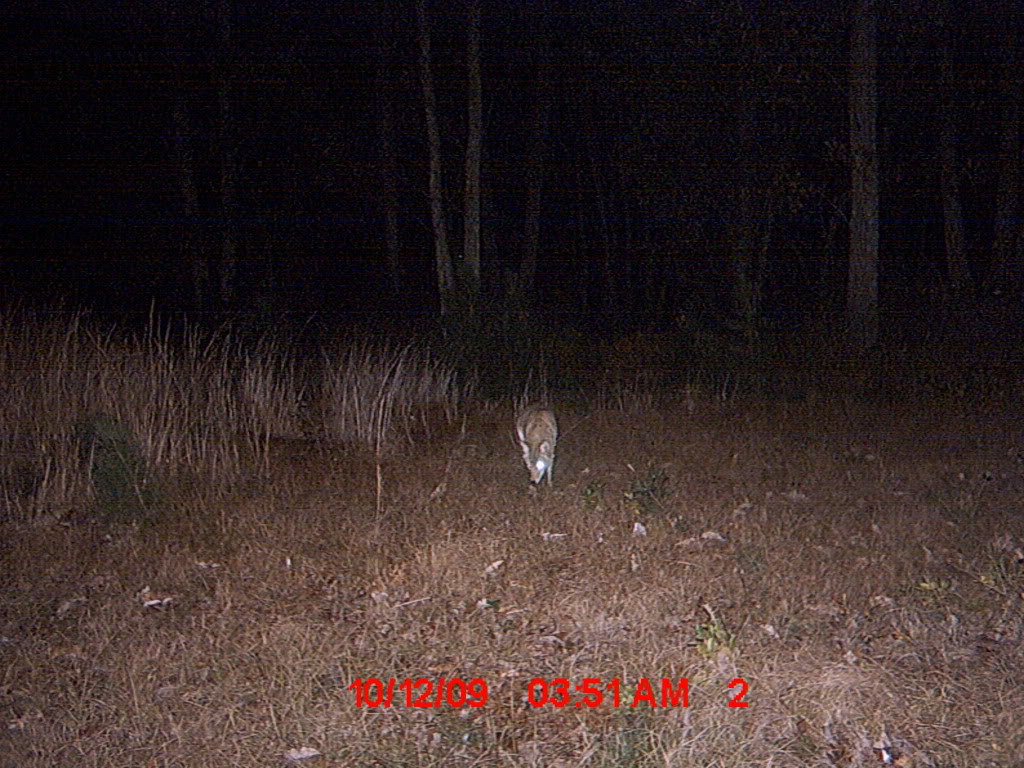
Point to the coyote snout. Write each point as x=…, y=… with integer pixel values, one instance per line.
x=537, y=431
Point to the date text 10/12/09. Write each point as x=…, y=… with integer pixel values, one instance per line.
x=590, y=692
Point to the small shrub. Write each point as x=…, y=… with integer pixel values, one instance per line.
x=647, y=492
x=113, y=456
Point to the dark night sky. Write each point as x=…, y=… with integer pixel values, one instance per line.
x=659, y=113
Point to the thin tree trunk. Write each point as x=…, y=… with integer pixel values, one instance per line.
x=442, y=257
x=748, y=222
x=953, y=220
x=862, y=286
x=193, y=245
x=597, y=207
x=581, y=243
x=1008, y=261
x=748, y=255
x=228, y=167
x=753, y=186
x=535, y=170
x=392, y=241
x=389, y=167
x=195, y=252
x=474, y=146
x=610, y=293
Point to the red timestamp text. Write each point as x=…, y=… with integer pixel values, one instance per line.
x=420, y=692
x=592, y=692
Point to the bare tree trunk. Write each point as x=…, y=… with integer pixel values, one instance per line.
x=228, y=166
x=442, y=256
x=623, y=231
x=534, y=194
x=1007, y=258
x=535, y=170
x=953, y=219
x=581, y=245
x=750, y=233
x=193, y=246
x=749, y=222
x=474, y=145
x=611, y=302
x=392, y=242
x=389, y=168
x=599, y=202
x=862, y=286
x=195, y=252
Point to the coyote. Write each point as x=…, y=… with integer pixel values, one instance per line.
x=537, y=431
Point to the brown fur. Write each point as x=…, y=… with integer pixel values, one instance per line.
x=537, y=430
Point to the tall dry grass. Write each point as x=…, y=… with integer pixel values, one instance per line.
x=198, y=404
x=378, y=394
x=204, y=406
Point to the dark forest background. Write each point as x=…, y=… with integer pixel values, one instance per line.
x=749, y=170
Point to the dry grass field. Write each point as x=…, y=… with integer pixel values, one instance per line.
x=210, y=557
x=858, y=568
